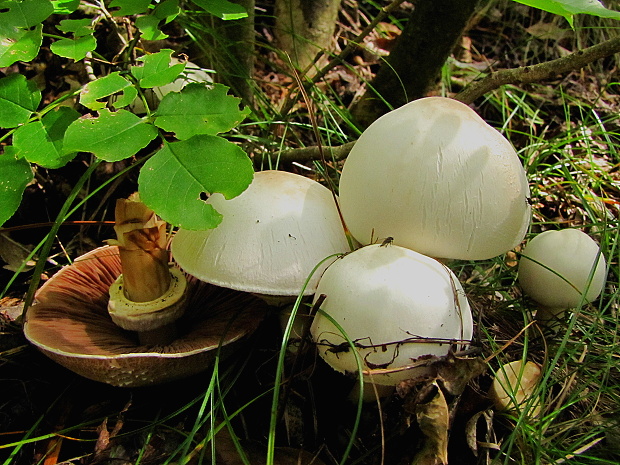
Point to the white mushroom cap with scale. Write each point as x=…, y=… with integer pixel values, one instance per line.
x=396, y=306
x=270, y=239
x=438, y=179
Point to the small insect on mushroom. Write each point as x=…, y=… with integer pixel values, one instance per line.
x=387, y=241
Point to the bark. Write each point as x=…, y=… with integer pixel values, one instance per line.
x=414, y=64
x=305, y=27
x=229, y=49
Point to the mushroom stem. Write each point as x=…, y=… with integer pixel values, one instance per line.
x=148, y=296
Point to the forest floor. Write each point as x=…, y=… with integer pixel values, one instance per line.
x=567, y=133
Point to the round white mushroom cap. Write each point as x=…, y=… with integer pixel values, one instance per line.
x=439, y=180
x=556, y=265
x=396, y=305
x=270, y=239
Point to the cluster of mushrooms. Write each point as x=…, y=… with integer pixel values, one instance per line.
x=425, y=184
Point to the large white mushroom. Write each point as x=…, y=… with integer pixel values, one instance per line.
x=562, y=269
x=270, y=239
x=439, y=180
x=396, y=305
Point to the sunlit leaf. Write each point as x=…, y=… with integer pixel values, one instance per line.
x=101, y=88
x=15, y=174
x=127, y=96
x=79, y=27
x=75, y=49
x=149, y=27
x=64, y=7
x=26, y=13
x=569, y=8
x=130, y=7
x=19, y=98
x=19, y=44
x=223, y=9
x=173, y=180
x=41, y=142
x=112, y=136
x=199, y=110
x=167, y=10
x=156, y=70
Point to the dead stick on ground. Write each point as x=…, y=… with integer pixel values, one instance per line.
x=476, y=89
x=539, y=72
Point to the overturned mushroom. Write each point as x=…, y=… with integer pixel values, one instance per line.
x=71, y=325
x=149, y=296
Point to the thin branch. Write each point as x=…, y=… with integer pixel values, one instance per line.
x=307, y=154
x=523, y=75
x=539, y=72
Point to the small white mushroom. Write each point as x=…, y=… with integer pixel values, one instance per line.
x=561, y=269
x=439, y=180
x=270, y=239
x=396, y=305
x=514, y=384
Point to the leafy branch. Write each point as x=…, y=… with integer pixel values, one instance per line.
x=187, y=122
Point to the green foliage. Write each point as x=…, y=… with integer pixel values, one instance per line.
x=25, y=14
x=18, y=100
x=198, y=110
x=569, y=8
x=41, y=141
x=112, y=136
x=17, y=174
x=193, y=162
x=173, y=181
x=223, y=9
x=156, y=70
x=18, y=44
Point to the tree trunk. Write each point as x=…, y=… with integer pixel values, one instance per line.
x=414, y=64
x=235, y=64
x=304, y=27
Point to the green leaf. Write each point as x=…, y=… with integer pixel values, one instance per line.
x=41, y=142
x=19, y=98
x=15, y=175
x=130, y=7
x=75, y=49
x=149, y=27
x=26, y=13
x=112, y=136
x=156, y=70
x=167, y=10
x=18, y=44
x=569, y=8
x=64, y=7
x=199, y=110
x=173, y=180
x=79, y=27
x=223, y=9
x=101, y=88
x=127, y=96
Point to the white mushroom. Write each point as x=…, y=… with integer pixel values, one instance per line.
x=439, y=180
x=270, y=239
x=561, y=269
x=514, y=384
x=396, y=305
